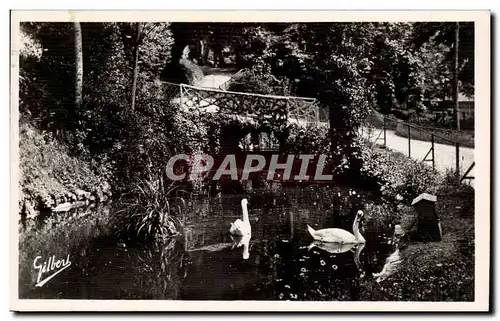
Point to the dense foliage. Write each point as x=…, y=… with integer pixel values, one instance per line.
x=349, y=68
x=50, y=177
x=397, y=177
x=183, y=71
x=260, y=82
x=104, y=129
x=436, y=40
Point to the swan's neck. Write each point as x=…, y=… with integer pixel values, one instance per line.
x=245, y=213
x=355, y=229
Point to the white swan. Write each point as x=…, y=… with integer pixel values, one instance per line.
x=337, y=235
x=240, y=227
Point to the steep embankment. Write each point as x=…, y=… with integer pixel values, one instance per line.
x=51, y=179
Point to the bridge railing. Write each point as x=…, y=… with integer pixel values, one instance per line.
x=225, y=85
x=299, y=109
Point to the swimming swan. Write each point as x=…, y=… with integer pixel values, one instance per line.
x=337, y=235
x=240, y=227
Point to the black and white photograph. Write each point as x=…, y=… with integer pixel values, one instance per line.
x=250, y=161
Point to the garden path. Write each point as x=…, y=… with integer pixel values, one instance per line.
x=444, y=154
x=214, y=80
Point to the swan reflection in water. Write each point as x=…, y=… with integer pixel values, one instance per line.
x=390, y=267
x=244, y=241
x=238, y=241
x=336, y=248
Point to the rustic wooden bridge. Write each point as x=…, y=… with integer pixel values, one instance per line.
x=300, y=110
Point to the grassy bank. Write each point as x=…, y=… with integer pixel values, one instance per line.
x=442, y=135
x=431, y=271
x=51, y=177
x=435, y=271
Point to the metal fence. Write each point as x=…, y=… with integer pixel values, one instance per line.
x=418, y=142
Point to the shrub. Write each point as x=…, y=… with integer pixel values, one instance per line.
x=257, y=82
x=451, y=185
x=346, y=159
x=312, y=140
x=399, y=177
x=183, y=72
x=192, y=71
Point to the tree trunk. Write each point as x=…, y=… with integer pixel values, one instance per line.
x=206, y=49
x=455, y=76
x=332, y=132
x=136, y=64
x=78, y=64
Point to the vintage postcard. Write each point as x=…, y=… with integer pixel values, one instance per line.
x=250, y=161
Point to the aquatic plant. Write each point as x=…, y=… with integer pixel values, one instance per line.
x=151, y=213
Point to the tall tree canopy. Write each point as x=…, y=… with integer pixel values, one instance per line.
x=443, y=34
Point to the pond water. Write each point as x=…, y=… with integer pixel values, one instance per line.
x=205, y=263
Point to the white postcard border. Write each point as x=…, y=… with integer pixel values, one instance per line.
x=482, y=20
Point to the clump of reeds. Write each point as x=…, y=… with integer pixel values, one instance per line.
x=151, y=212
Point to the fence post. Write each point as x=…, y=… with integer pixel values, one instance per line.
x=182, y=94
x=385, y=135
x=432, y=148
x=409, y=142
x=457, y=159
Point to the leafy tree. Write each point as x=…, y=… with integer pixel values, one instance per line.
x=436, y=73
x=459, y=37
x=328, y=62
x=443, y=34
x=55, y=107
x=246, y=39
x=116, y=132
x=147, y=47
